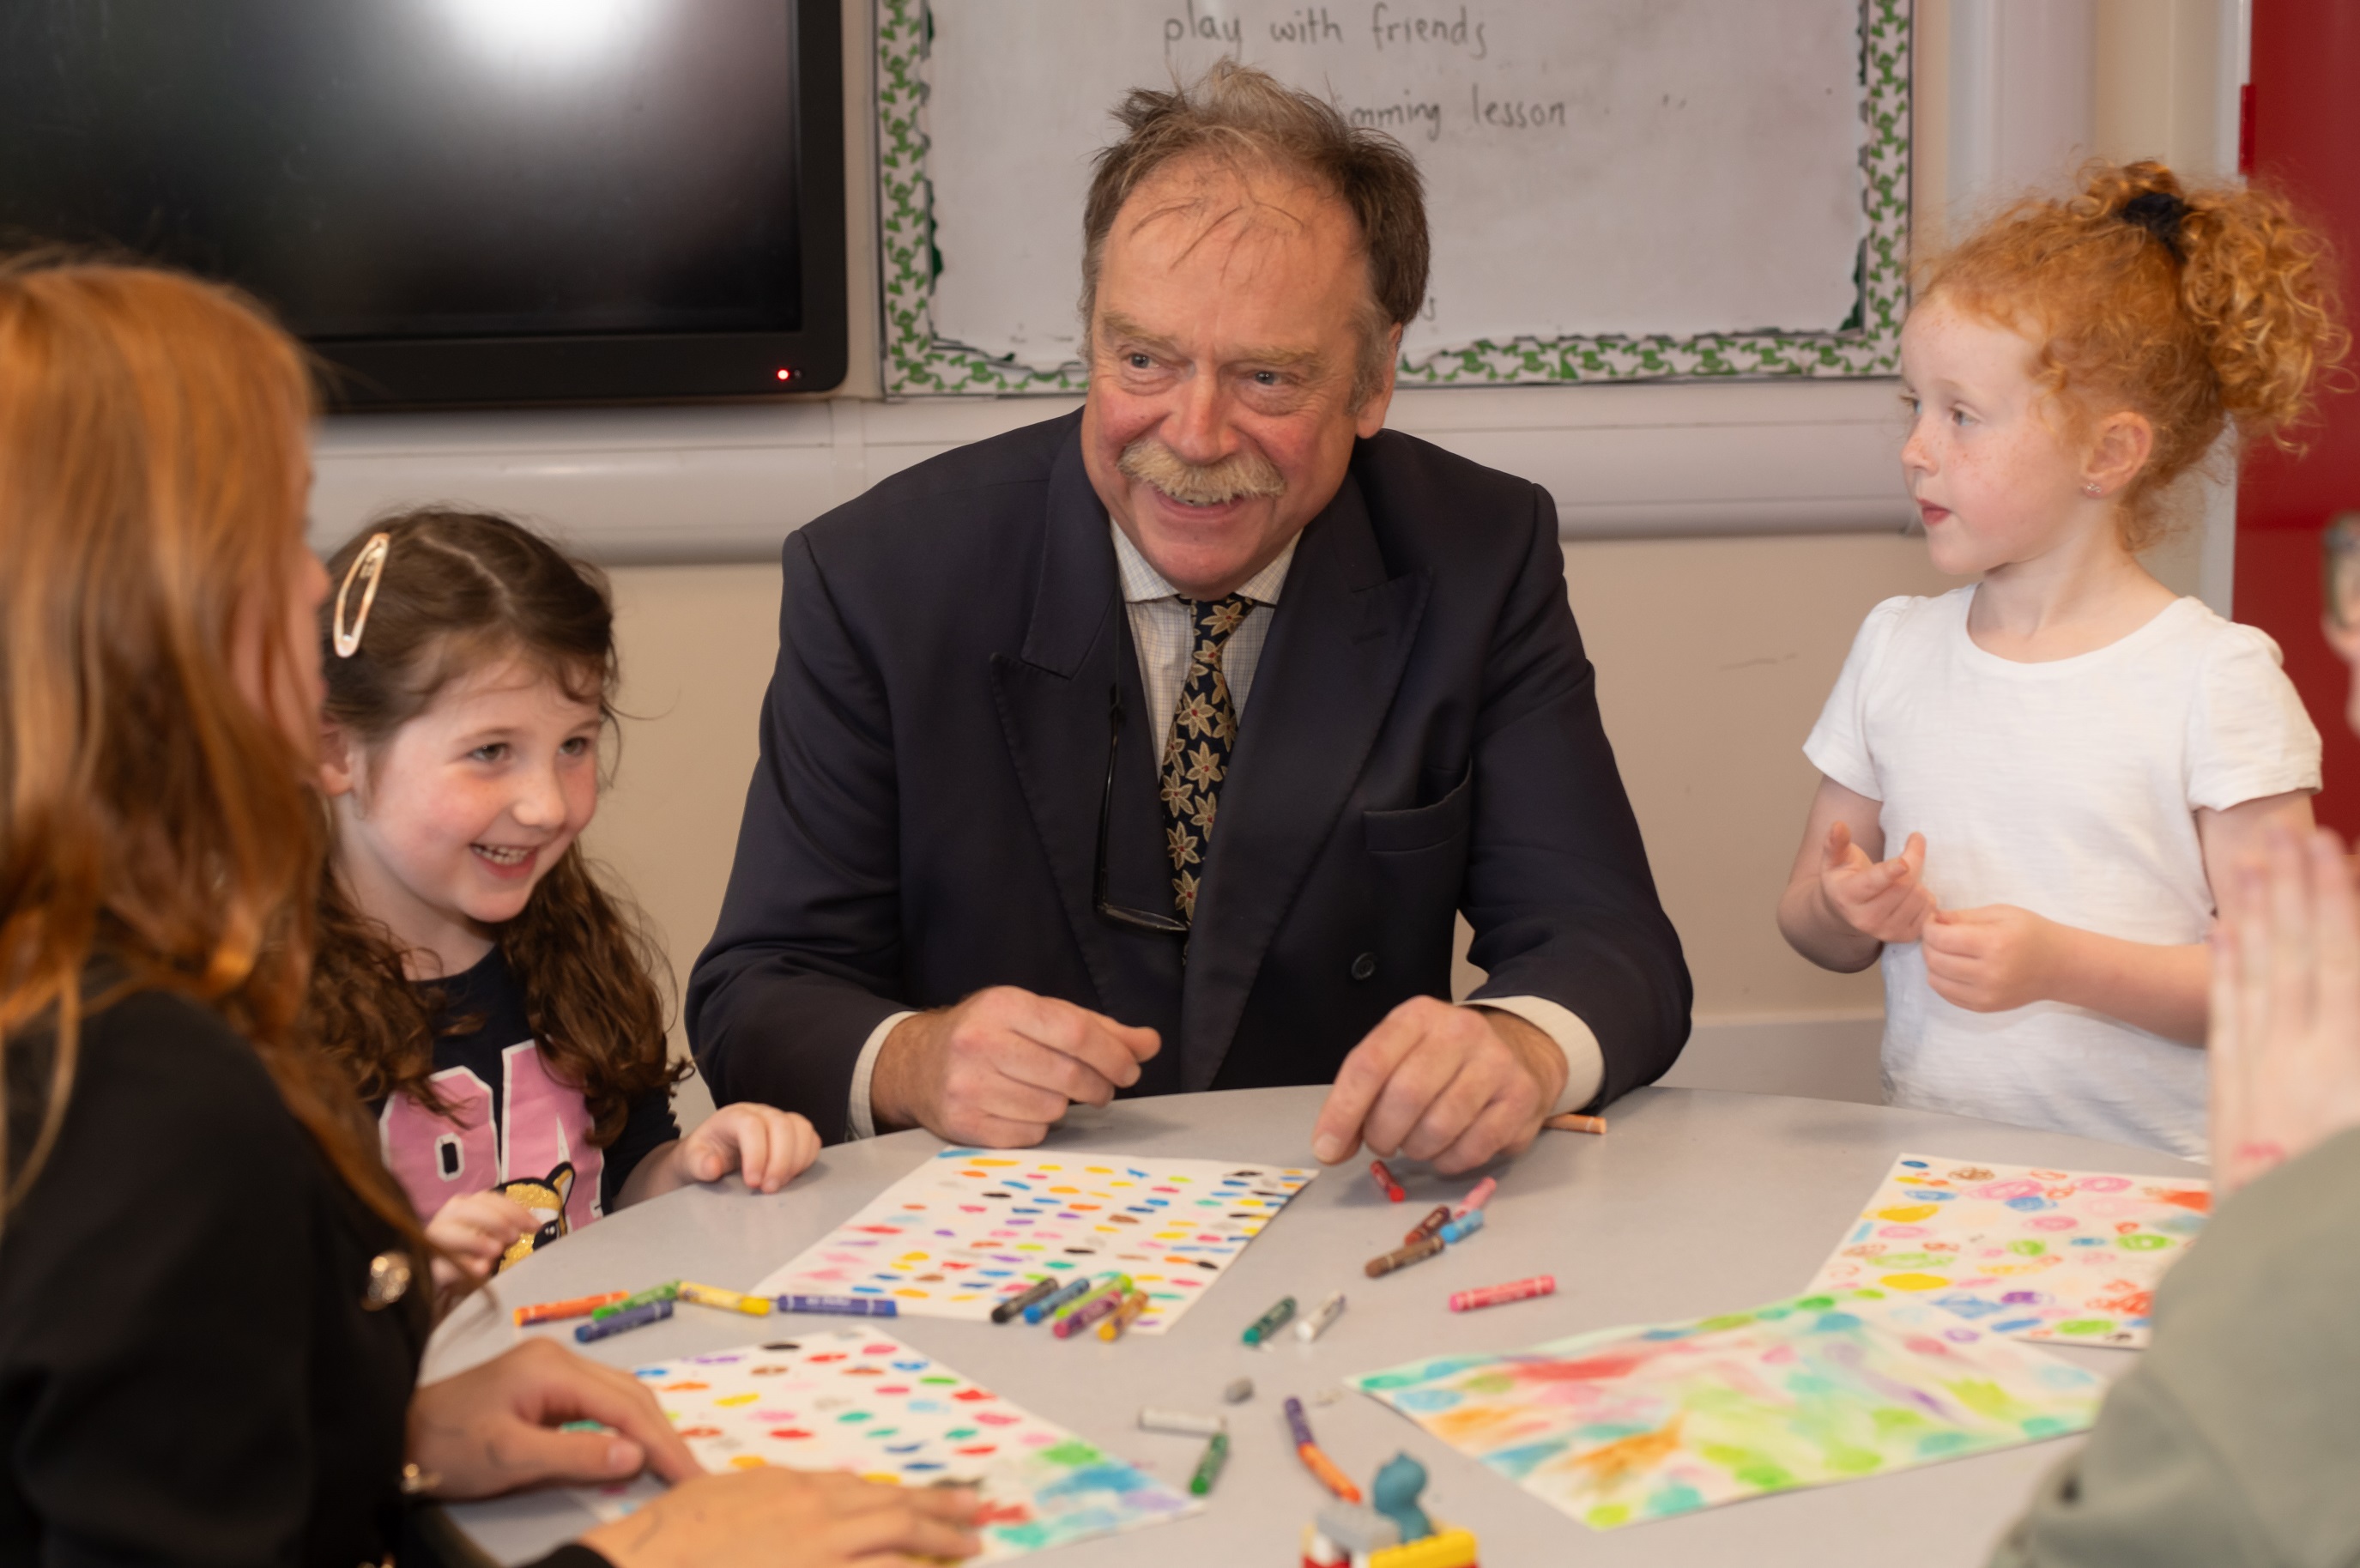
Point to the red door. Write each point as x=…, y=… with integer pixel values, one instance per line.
x=2304, y=125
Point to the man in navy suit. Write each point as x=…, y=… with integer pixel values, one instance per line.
x=1156, y=748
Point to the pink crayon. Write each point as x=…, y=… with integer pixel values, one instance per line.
x=1475, y=1199
x=1494, y=1294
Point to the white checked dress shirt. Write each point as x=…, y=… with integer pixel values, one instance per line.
x=1161, y=630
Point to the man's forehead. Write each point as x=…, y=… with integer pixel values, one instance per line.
x=1195, y=196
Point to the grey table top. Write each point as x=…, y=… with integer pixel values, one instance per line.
x=1696, y=1201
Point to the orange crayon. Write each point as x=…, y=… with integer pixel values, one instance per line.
x=580, y=1307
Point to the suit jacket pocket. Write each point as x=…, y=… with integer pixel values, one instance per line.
x=1422, y=827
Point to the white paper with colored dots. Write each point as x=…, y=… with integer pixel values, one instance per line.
x=2067, y=1255
x=862, y=1401
x=972, y=1227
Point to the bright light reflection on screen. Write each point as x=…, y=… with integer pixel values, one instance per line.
x=525, y=34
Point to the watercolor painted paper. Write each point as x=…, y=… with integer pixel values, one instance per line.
x=1629, y=1425
x=2067, y=1255
x=864, y=1402
x=971, y=1227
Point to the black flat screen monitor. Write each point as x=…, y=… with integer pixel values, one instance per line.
x=459, y=202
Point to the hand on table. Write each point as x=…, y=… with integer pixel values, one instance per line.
x=769, y=1146
x=2286, y=1006
x=493, y=1427
x=1452, y=1085
x=1992, y=958
x=1887, y=900
x=791, y=1518
x=998, y=1070
x=473, y=1230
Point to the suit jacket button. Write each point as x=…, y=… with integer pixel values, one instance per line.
x=1364, y=966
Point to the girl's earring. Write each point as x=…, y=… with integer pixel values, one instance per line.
x=2090, y=488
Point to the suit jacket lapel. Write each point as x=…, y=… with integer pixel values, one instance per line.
x=1338, y=642
x=1052, y=698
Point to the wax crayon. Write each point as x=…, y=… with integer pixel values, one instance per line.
x=1402, y=1257
x=1113, y=1287
x=1479, y=1195
x=1428, y=1226
x=1209, y=1468
x=1072, y=1291
x=1185, y=1422
x=1494, y=1294
x=1084, y=1316
x=667, y=1291
x=637, y=1317
x=1385, y=1182
x=841, y=1306
x=727, y=1300
x=1238, y=1392
x=1322, y=1315
x=1571, y=1122
x=1015, y=1304
x=1459, y=1229
x=1261, y=1328
x=580, y=1307
x=1133, y=1303
x=1306, y=1448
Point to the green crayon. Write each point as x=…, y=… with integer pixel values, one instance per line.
x=667, y=1291
x=1209, y=1468
x=1268, y=1323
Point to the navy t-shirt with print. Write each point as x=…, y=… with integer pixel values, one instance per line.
x=513, y=1123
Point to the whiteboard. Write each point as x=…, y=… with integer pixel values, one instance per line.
x=1616, y=188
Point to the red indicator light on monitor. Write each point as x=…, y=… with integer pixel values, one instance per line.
x=786, y=375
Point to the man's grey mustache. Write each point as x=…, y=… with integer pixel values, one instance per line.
x=1240, y=475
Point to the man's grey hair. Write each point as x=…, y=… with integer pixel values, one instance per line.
x=1249, y=118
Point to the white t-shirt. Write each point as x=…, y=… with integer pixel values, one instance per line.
x=2068, y=788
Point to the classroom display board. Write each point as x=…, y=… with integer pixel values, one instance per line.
x=1617, y=189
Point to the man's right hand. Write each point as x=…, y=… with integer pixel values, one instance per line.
x=998, y=1070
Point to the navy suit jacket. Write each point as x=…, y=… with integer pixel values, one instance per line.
x=1422, y=737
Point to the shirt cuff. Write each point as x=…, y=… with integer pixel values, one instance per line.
x=1585, y=1063
x=860, y=1121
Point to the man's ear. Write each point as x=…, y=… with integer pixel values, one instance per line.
x=2125, y=442
x=1370, y=417
x=340, y=762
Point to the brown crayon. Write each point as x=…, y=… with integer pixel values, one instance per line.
x=1401, y=1258
x=1429, y=1226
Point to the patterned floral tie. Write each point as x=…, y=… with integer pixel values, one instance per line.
x=1196, y=756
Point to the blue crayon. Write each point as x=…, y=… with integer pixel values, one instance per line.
x=842, y=1306
x=637, y=1318
x=1048, y=1304
x=1459, y=1229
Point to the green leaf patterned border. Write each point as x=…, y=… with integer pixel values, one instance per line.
x=917, y=362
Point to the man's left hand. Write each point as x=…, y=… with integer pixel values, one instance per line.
x=1453, y=1086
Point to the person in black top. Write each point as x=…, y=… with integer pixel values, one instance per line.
x=211, y=1291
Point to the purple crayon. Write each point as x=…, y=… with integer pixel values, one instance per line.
x=1083, y=1316
x=841, y=1306
x=636, y=1318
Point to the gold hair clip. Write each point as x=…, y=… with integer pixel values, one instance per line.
x=369, y=567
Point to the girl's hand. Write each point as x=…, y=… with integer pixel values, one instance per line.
x=769, y=1145
x=1992, y=958
x=474, y=1229
x=1886, y=900
x=791, y=1518
x=2286, y=1006
x=496, y=1428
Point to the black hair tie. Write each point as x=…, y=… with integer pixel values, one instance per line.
x=2160, y=214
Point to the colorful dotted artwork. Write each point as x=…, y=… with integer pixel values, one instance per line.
x=970, y=1227
x=1628, y=1425
x=864, y=1402
x=2043, y=1255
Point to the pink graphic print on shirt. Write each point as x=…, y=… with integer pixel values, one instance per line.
x=546, y=1125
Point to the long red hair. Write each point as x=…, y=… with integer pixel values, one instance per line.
x=153, y=469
